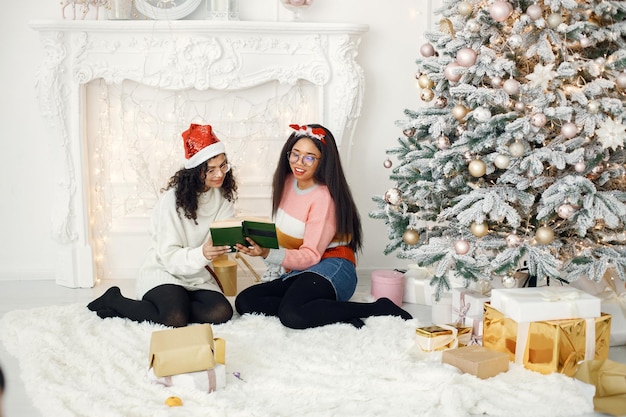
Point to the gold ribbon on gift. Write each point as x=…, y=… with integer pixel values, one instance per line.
x=547, y=346
x=439, y=337
x=609, y=379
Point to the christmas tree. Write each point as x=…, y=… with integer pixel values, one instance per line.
x=516, y=154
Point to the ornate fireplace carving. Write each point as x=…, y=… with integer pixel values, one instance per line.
x=176, y=56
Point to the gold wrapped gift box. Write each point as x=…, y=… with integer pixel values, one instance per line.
x=547, y=346
x=442, y=337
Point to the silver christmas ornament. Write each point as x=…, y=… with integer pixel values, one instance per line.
x=515, y=41
x=520, y=106
x=496, y=82
x=509, y=282
x=565, y=211
x=441, y=102
x=585, y=42
x=538, y=120
x=473, y=26
x=443, y=142
x=513, y=240
x=393, y=196
x=481, y=114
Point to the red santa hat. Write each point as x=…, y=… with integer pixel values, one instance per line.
x=201, y=144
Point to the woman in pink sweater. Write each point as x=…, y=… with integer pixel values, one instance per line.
x=319, y=232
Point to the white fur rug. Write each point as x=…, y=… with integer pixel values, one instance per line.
x=76, y=364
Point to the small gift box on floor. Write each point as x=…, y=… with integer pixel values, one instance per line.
x=416, y=279
x=442, y=337
x=547, y=346
x=188, y=355
x=477, y=360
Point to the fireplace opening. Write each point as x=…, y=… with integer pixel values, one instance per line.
x=134, y=144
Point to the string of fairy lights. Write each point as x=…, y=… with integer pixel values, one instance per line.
x=134, y=145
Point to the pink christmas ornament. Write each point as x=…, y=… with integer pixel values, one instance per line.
x=511, y=86
x=538, y=120
x=461, y=247
x=466, y=57
x=569, y=130
x=580, y=167
x=500, y=10
x=534, y=12
x=450, y=72
x=427, y=50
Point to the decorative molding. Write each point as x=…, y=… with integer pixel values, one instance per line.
x=179, y=55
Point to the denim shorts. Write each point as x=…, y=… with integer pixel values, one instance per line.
x=340, y=272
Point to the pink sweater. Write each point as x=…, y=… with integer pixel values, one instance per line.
x=305, y=223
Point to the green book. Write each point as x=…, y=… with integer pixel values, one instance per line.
x=233, y=231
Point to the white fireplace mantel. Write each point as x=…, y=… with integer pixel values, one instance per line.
x=177, y=55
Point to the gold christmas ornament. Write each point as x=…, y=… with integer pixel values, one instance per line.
x=544, y=235
x=479, y=229
x=459, y=112
x=427, y=94
x=477, y=168
x=425, y=82
x=411, y=237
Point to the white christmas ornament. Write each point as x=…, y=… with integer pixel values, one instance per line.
x=481, y=114
x=464, y=8
x=611, y=134
x=541, y=76
x=513, y=240
x=508, y=282
x=569, y=130
x=621, y=80
x=565, y=211
x=517, y=149
x=511, y=86
x=554, y=20
x=502, y=161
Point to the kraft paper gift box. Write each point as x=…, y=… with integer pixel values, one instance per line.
x=185, y=349
x=544, y=303
x=550, y=345
x=209, y=380
x=477, y=360
x=441, y=337
x=467, y=302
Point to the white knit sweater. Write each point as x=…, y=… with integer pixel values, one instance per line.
x=176, y=253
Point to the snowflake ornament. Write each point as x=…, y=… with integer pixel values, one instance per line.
x=611, y=134
x=541, y=76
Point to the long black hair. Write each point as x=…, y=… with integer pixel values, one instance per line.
x=329, y=172
x=190, y=183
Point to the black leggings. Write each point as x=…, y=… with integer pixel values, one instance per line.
x=308, y=300
x=168, y=304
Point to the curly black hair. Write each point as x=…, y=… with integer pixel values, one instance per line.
x=190, y=183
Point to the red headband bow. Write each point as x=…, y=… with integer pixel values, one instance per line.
x=315, y=132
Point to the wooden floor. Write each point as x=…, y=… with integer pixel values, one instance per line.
x=16, y=295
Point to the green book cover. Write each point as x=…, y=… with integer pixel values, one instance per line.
x=231, y=232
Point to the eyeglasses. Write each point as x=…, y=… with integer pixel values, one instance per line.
x=307, y=160
x=224, y=168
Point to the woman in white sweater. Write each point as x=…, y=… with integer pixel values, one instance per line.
x=174, y=286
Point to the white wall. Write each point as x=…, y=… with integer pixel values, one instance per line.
x=28, y=166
